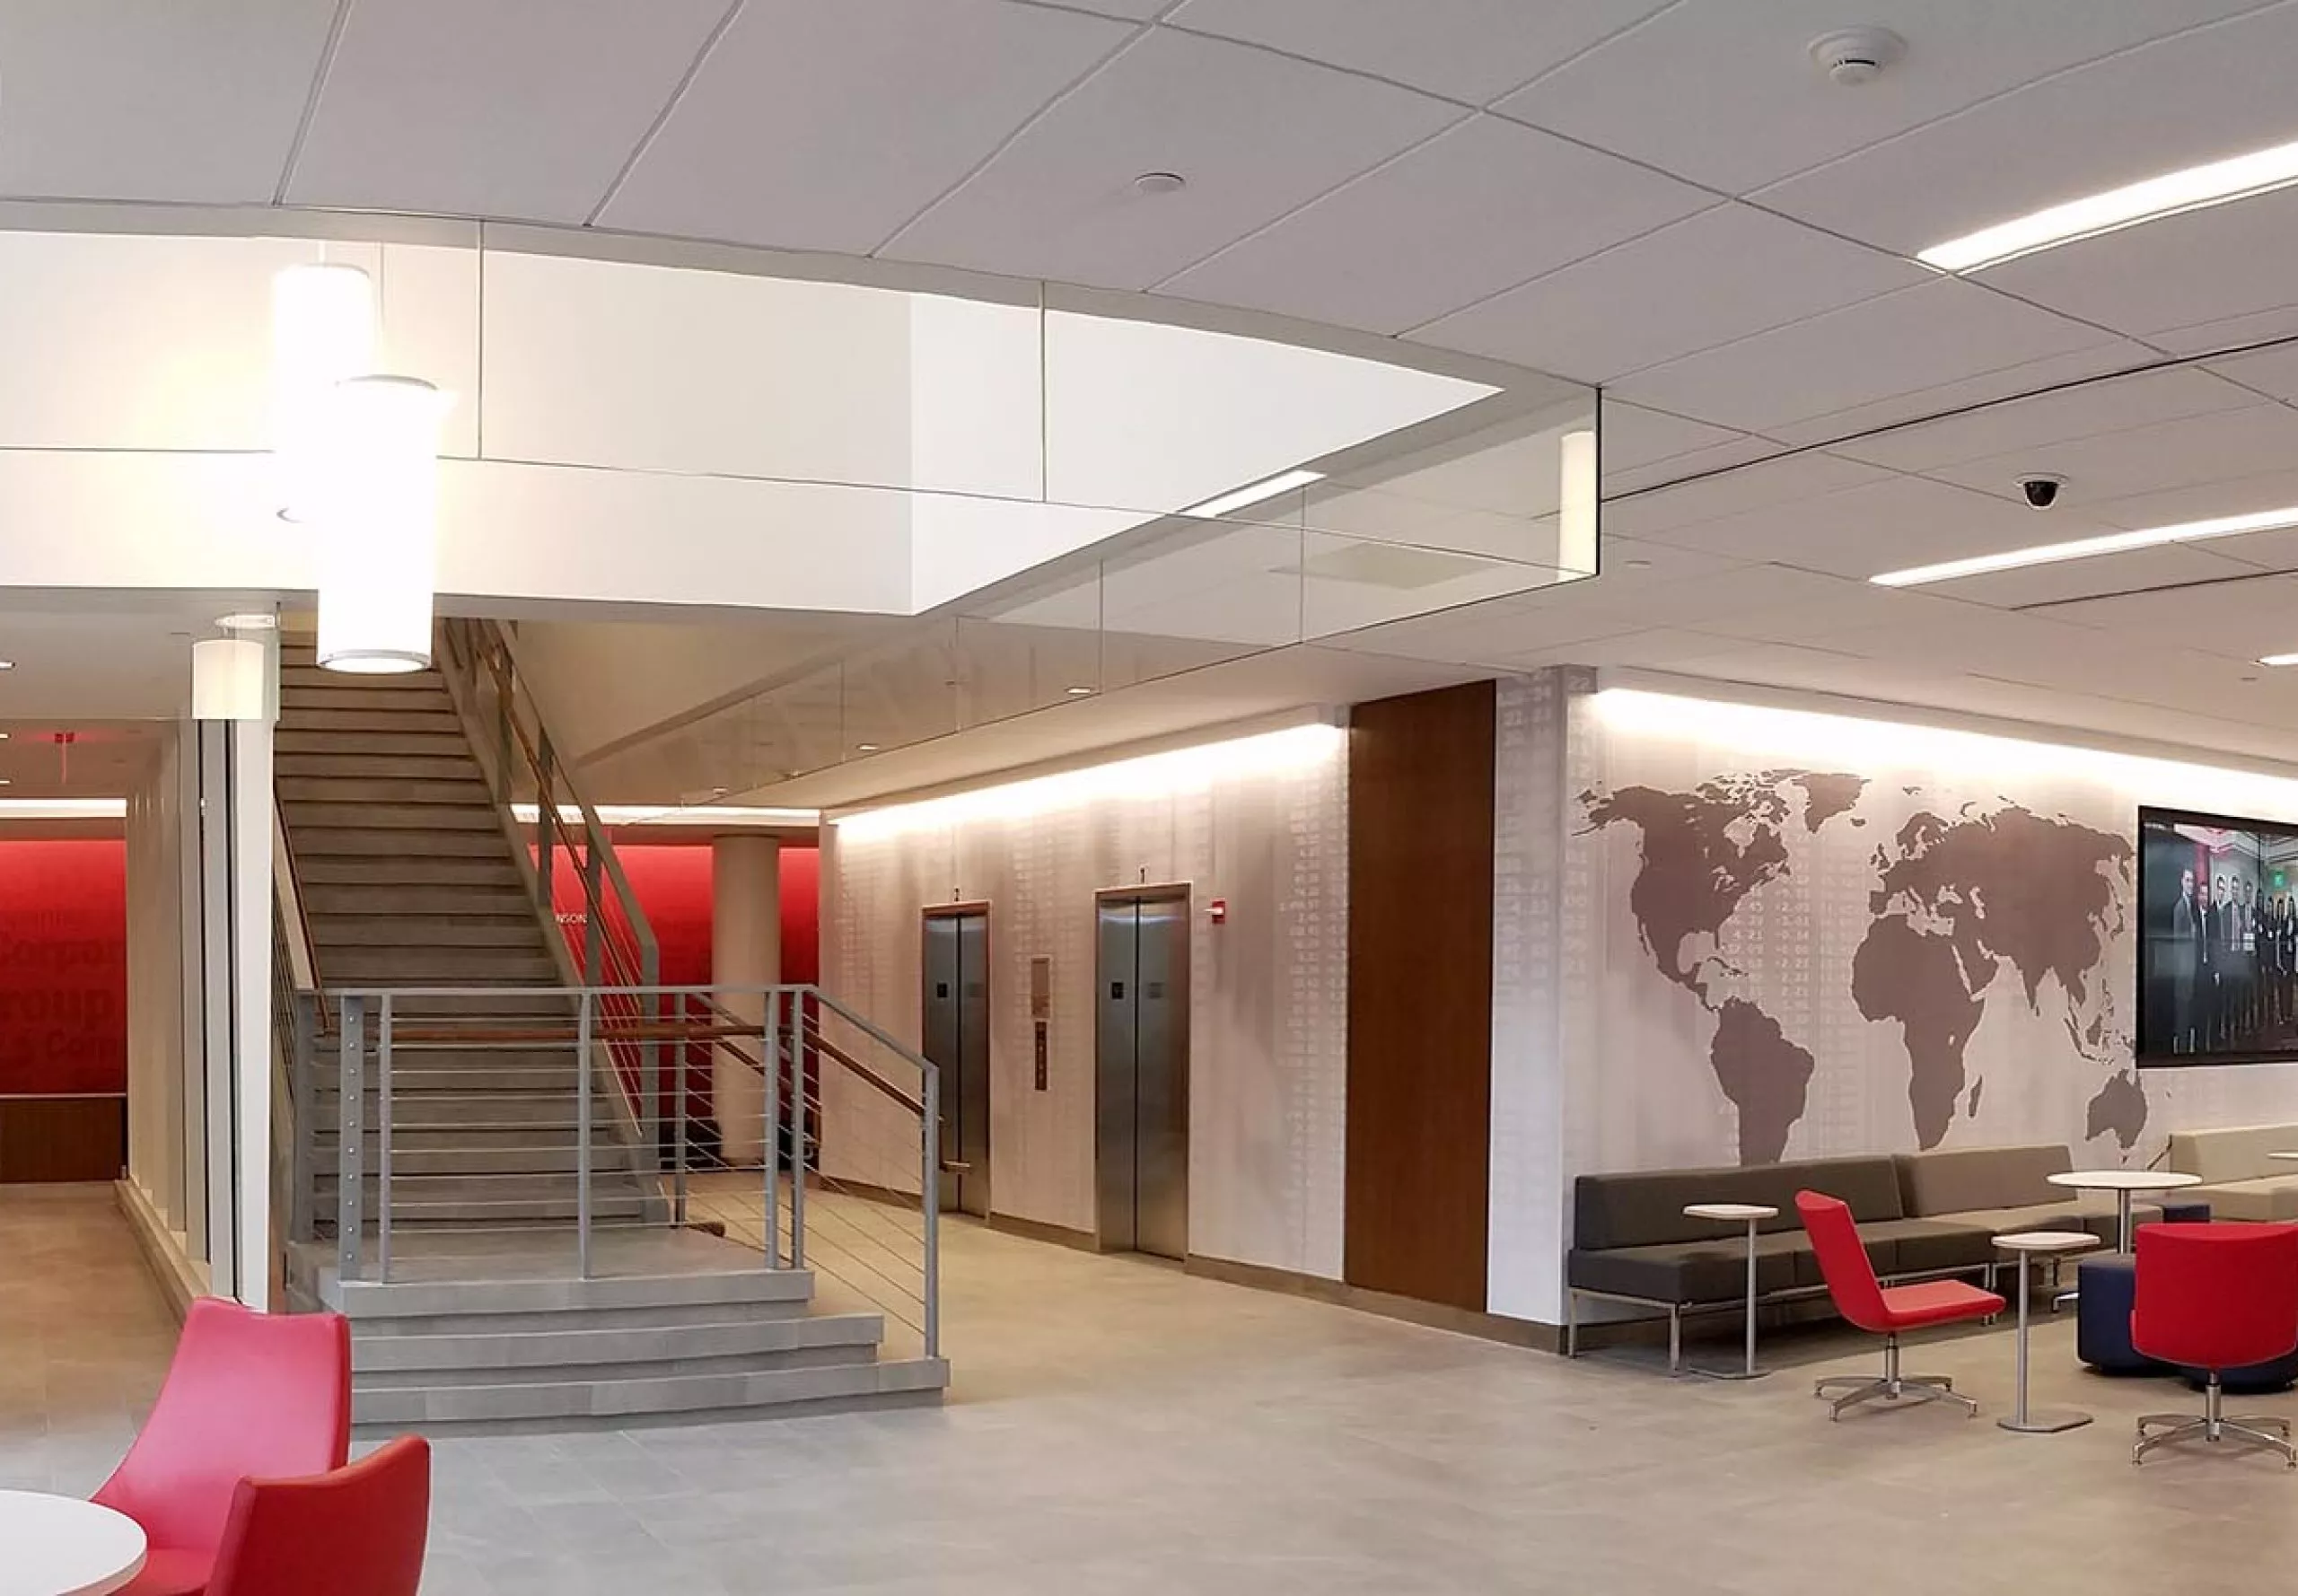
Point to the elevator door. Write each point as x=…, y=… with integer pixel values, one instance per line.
x=1142, y=1074
x=957, y=1040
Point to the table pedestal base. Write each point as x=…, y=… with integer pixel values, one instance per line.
x=1728, y=1373
x=2045, y=1421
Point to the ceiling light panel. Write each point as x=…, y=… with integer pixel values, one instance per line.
x=2173, y=193
x=2081, y=548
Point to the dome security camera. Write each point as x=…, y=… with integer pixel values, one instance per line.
x=2041, y=489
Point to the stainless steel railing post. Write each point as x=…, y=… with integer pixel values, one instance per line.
x=793, y=1019
x=930, y=1202
x=583, y=1137
x=303, y=1215
x=681, y=1056
x=383, y=1138
x=351, y=1102
x=770, y=1056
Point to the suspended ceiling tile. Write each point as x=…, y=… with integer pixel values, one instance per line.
x=1883, y=525
x=1728, y=272
x=1736, y=449
x=1726, y=95
x=1633, y=436
x=2147, y=460
x=1256, y=135
x=2021, y=379
x=1470, y=51
x=2204, y=501
x=493, y=108
x=1480, y=206
x=187, y=103
x=2209, y=265
x=820, y=126
x=2113, y=406
x=1754, y=488
x=1879, y=348
x=2079, y=132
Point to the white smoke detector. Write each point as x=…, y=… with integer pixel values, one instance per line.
x=1851, y=56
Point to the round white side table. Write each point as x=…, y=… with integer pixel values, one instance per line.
x=1751, y=1215
x=60, y=1546
x=2026, y=1245
x=2122, y=1183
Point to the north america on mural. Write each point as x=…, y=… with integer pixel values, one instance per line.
x=1967, y=905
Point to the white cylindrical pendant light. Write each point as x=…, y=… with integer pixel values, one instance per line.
x=323, y=333
x=227, y=679
x=1575, y=534
x=375, y=511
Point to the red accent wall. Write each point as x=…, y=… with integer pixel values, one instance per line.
x=63, y=966
x=672, y=882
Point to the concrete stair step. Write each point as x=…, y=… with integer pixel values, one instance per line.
x=450, y=763
x=429, y=820
x=326, y=744
x=515, y=929
x=302, y=669
x=417, y=1306
x=421, y=696
x=409, y=1079
x=439, y=719
x=462, y=789
x=483, y=1357
x=409, y=1189
x=500, y=895
x=508, y=1006
x=478, y=1213
x=475, y=1111
x=433, y=967
x=790, y=1391
x=521, y=1159
x=394, y=844
x=834, y=1355
x=358, y=875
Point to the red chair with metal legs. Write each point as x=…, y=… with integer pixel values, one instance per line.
x=2215, y=1297
x=356, y=1531
x=1885, y=1311
x=248, y=1394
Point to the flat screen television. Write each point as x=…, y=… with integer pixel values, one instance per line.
x=2218, y=945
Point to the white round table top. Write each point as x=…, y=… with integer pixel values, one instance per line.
x=1739, y=1211
x=2124, y=1179
x=2047, y=1241
x=60, y=1546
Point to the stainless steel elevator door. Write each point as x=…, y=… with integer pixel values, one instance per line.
x=1142, y=1075
x=955, y=981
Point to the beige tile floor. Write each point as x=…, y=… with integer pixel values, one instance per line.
x=1120, y=1427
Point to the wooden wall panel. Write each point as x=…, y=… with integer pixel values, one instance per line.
x=1420, y=817
x=62, y=1138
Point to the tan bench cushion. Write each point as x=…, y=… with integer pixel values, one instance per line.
x=2238, y=1153
x=2274, y=1197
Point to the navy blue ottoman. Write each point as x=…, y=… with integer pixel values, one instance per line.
x=2103, y=1316
x=2279, y=1375
x=2186, y=1212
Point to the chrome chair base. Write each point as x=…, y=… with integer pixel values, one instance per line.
x=1892, y=1386
x=2212, y=1425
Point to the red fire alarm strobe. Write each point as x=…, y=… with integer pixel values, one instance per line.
x=1217, y=911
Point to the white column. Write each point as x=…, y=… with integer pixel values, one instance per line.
x=745, y=951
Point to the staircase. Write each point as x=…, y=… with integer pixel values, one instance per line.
x=408, y=878
x=410, y=875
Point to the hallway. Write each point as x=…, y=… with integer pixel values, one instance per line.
x=1117, y=1427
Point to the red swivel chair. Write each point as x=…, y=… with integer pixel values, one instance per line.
x=356, y=1531
x=1884, y=1311
x=248, y=1394
x=2215, y=1297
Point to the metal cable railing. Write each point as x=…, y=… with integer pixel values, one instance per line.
x=846, y=1183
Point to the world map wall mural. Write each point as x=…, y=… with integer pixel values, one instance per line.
x=1808, y=912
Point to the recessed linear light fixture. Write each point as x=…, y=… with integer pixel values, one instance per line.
x=2214, y=183
x=2083, y=548
x=249, y=620
x=1079, y=692
x=1254, y=493
x=2279, y=659
x=866, y=748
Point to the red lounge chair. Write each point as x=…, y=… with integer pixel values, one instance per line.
x=2215, y=1297
x=1864, y=1302
x=247, y=1394
x=356, y=1531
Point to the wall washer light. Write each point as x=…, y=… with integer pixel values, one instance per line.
x=2082, y=548
x=1253, y=492
x=2196, y=186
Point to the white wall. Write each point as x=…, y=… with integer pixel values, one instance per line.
x=1262, y=824
x=1603, y=1062
x=166, y=1149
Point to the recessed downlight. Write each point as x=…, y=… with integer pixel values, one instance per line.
x=866, y=748
x=2193, y=188
x=1079, y=692
x=2083, y=548
x=1160, y=182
